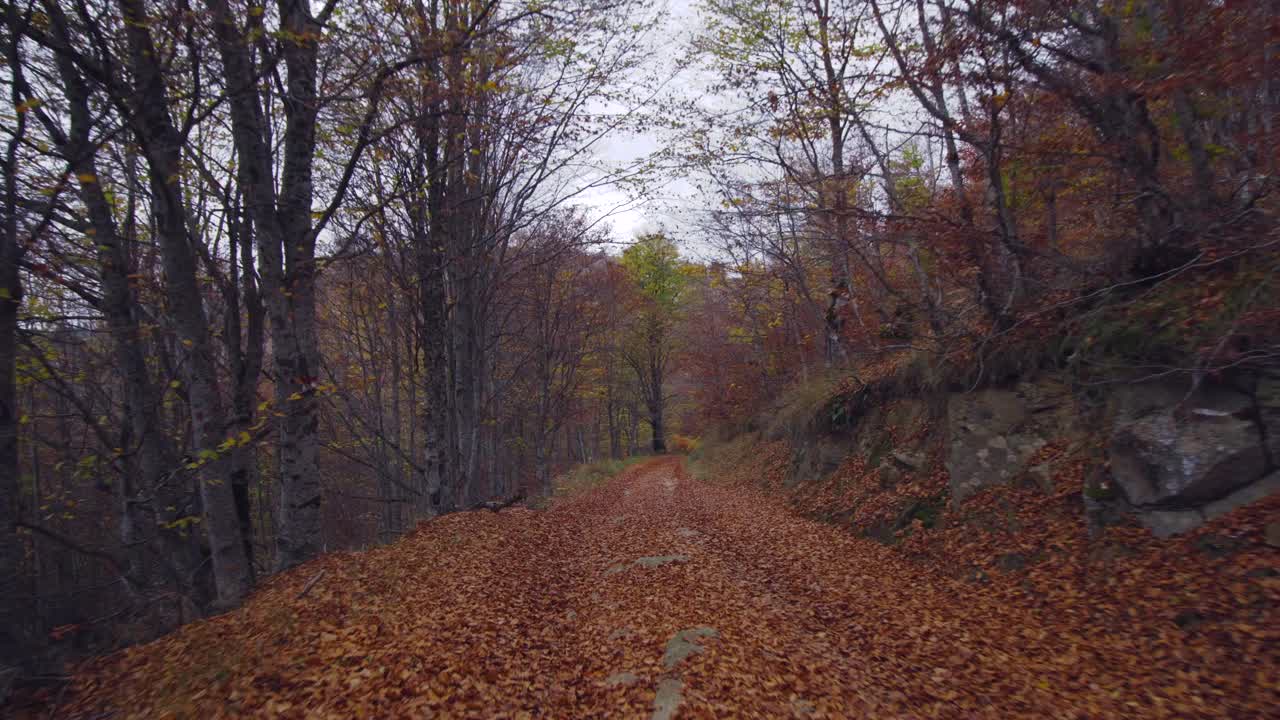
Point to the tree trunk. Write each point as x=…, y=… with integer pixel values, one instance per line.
x=13, y=604
x=161, y=147
x=286, y=243
x=296, y=346
x=246, y=369
x=659, y=432
x=616, y=451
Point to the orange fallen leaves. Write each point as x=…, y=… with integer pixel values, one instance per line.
x=517, y=615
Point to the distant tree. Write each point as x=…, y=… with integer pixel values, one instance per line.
x=653, y=264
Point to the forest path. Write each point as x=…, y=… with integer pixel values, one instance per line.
x=722, y=602
x=653, y=596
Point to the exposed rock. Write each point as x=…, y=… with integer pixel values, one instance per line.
x=1184, y=460
x=654, y=561
x=651, y=561
x=667, y=700
x=1244, y=496
x=1042, y=476
x=1167, y=523
x=1269, y=418
x=1161, y=460
x=993, y=433
x=911, y=461
x=684, y=644
x=802, y=707
x=622, y=678
x=1170, y=451
x=818, y=458
x=890, y=475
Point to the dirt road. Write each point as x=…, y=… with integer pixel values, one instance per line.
x=655, y=596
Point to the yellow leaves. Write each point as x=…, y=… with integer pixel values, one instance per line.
x=182, y=523
x=28, y=105
x=239, y=440
x=87, y=178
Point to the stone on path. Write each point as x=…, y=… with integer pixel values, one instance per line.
x=684, y=644
x=654, y=561
x=622, y=678
x=650, y=561
x=667, y=700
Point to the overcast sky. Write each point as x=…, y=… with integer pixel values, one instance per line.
x=627, y=216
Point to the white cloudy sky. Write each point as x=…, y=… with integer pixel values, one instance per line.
x=675, y=202
x=627, y=216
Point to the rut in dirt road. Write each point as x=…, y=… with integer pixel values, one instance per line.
x=655, y=596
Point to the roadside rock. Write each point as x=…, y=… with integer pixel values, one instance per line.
x=911, y=461
x=1167, y=523
x=1244, y=496
x=993, y=433
x=1160, y=460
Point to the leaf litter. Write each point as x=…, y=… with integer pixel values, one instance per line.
x=523, y=614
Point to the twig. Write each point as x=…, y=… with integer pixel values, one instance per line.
x=310, y=584
x=496, y=505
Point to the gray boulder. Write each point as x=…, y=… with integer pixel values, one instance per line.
x=1169, y=459
x=1167, y=523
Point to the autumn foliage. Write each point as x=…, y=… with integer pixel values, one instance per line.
x=292, y=295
